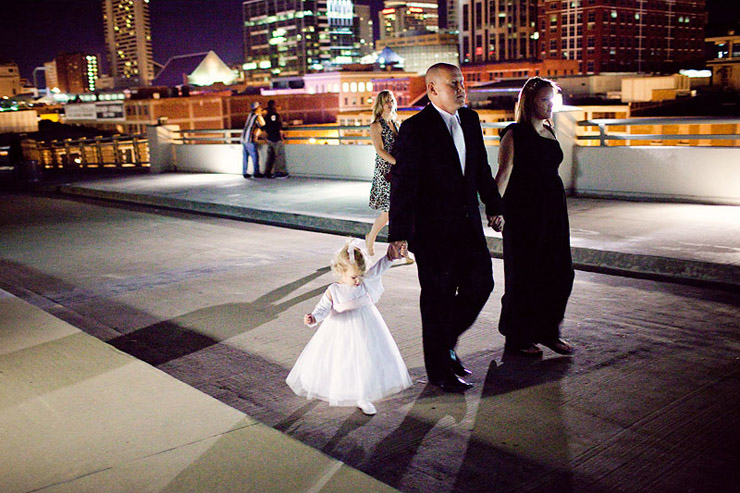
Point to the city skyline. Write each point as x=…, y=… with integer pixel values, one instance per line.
x=36, y=31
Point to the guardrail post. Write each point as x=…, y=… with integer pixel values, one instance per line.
x=161, y=147
x=83, y=153
x=137, y=153
x=99, y=151
x=602, y=135
x=116, y=152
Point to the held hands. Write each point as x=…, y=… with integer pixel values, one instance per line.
x=496, y=222
x=309, y=319
x=397, y=249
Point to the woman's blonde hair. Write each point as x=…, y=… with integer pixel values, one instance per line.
x=350, y=255
x=525, y=105
x=380, y=99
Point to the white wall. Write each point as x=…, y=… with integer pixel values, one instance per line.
x=348, y=162
x=700, y=174
x=696, y=174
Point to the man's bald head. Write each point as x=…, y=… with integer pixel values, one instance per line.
x=437, y=70
x=445, y=86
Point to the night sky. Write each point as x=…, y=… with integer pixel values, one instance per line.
x=35, y=31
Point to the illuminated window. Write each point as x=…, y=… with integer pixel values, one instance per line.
x=353, y=87
x=345, y=87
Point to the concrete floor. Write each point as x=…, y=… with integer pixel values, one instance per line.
x=666, y=241
x=648, y=403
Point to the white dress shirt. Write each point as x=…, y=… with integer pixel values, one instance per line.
x=453, y=125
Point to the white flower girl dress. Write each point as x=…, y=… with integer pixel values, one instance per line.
x=352, y=357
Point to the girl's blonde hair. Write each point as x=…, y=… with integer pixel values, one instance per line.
x=525, y=105
x=380, y=99
x=342, y=260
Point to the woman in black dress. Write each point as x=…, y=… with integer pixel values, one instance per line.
x=537, y=261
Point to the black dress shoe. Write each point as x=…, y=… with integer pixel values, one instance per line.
x=259, y=175
x=457, y=366
x=452, y=384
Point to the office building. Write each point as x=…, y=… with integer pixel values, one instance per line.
x=71, y=72
x=499, y=71
x=285, y=38
x=498, y=30
x=726, y=62
x=10, y=79
x=342, y=48
x=363, y=28
x=128, y=41
x=624, y=36
x=50, y=71
x=453, y=17
x=421, y=52
x=92, y=72
x=402, y=18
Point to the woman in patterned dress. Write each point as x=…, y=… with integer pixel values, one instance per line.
x=383, y=132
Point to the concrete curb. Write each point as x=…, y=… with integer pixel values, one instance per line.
x=587, y=259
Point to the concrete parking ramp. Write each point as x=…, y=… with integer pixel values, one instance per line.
x=78, y=415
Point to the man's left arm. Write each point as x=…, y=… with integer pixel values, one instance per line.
x=486, y=184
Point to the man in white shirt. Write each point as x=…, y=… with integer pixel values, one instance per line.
x=441, y=170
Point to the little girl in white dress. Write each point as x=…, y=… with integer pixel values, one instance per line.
x=352, y=359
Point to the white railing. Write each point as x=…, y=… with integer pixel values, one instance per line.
x=659, y=169
x=677, y=138
x=304, y=134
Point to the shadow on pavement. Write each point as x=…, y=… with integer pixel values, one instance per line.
x=172, y=339
x=518, y=437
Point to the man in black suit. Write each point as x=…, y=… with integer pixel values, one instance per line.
x=441, y=169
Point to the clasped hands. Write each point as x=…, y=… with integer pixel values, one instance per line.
x=397, y=249
x=496, y=222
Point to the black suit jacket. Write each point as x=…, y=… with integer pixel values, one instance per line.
x=433, y=204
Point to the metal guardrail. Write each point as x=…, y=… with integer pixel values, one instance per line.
x=354, y=134
x=336, y=134
x=99, y=152
x=604, y=137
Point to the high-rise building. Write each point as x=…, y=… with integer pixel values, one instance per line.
x=342, y=47
x=71, y=70
x=284, y=38
x=408, y=18
x=50, y=71
x=498, y=30
x=453, y=17
x=128, y=41
x=421, y=52
x=74, y=73
x=624, y=36
x=92, y=72
x=363, y=27
x=10, y=79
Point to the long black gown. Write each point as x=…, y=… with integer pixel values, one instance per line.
x=537, y=262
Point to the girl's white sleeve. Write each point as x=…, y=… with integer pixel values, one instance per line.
x=373, y=280
x=322, y=309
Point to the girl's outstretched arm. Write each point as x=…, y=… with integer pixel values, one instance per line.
x=321, y=311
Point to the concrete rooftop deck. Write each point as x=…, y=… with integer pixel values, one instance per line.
x=672, y=241
x=649, y=402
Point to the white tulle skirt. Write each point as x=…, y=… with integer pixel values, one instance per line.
x=351, y=357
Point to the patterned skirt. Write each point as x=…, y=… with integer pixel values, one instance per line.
x=380, y=191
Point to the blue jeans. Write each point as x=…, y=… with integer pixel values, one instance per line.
x=250, y=150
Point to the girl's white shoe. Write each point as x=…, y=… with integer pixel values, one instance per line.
x=367, y=407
